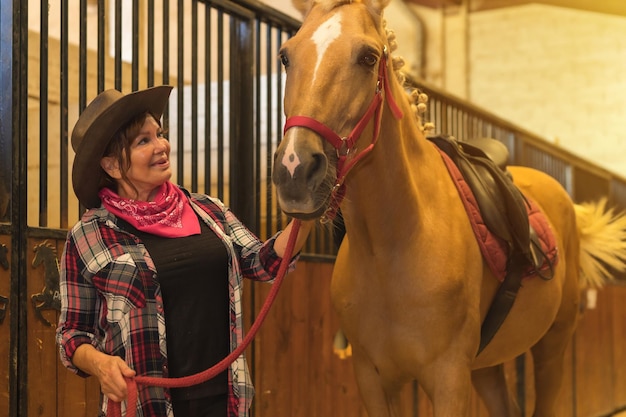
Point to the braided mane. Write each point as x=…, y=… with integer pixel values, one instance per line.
x=417, y=98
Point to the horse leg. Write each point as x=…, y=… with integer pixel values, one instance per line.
x=549, y=352
x=490, y=384
x=449, y=388
x=549, y=357
x=378, y=399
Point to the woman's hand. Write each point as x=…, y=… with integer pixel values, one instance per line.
x=281, y=241
x=110, y=370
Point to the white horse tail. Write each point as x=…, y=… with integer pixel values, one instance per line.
x=602, y=234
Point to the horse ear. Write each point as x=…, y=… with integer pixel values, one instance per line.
x=303, y=6
x=377, y=5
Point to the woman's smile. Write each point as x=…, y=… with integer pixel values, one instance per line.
x=149, y=166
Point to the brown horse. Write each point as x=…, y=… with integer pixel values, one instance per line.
x=410, y=284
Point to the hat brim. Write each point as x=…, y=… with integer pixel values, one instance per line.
x=87, y=173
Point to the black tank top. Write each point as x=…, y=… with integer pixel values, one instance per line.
x=193, y=275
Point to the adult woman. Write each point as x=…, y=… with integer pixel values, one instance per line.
x=148, y=259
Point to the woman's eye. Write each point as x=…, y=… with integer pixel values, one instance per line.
x=163, y=134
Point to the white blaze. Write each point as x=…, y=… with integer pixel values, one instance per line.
x=323, y=37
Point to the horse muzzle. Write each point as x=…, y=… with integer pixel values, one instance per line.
x=301, y=180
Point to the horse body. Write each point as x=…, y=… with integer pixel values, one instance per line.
x=410, y=284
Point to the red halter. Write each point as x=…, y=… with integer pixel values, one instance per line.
x=346, y=144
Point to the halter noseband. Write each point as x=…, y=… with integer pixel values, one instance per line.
x=344, y=145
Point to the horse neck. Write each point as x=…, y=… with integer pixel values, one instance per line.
x=393, y=183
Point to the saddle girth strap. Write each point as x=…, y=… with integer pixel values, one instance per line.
x=503, y=300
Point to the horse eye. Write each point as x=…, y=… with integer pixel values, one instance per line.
x=369, y=59
x=284, y=60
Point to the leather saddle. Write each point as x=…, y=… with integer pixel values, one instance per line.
x=482, y=163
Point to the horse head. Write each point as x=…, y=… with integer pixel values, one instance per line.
x=337, y=84
x=40, y=253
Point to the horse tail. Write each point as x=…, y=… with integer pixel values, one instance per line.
x=602, y=235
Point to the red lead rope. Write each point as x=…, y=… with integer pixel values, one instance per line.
x=114, y=409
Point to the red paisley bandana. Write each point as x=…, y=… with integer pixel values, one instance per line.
x=169, y=215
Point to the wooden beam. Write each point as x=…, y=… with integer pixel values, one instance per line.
x=614, y=7
x=436, y=4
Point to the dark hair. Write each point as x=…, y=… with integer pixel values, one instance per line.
x=119, y=148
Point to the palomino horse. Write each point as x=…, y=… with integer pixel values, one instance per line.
x=410, y=284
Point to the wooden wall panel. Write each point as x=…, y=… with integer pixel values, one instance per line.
x=5, y=325
x=42, y=352
x=617, y=296
x=296, y=372
x=297, y=375
x=53, y=391
x=593, y=366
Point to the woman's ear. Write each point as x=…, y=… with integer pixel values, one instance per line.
x=110, y=165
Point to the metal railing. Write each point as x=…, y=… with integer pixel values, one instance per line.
x=225, y=115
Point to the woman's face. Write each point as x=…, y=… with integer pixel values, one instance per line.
x=149, y=164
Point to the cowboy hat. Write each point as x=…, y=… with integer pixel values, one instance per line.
x=97, y=125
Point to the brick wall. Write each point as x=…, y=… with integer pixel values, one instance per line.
x=557, y=72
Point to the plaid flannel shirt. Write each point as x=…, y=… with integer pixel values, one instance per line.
x=111, y=299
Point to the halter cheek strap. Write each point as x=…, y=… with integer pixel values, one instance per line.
x=346, y=145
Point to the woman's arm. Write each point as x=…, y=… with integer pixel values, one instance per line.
x=110, y=370
x=280, y=245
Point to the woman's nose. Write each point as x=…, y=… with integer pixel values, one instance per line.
x=163, y=145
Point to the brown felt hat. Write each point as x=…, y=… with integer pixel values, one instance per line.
x=97, y=125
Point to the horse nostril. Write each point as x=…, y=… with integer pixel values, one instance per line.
x=316, y=171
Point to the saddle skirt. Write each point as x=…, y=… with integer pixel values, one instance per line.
x=493, y=248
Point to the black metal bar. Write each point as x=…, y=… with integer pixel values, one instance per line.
x=82, y=56
x=6, y=106
x=208, y=38
x=18, y=85
x=166, y=56
x=263, y=11
x=135, y=46
x=279, y=123
x=270, y=213
x=43, y=115
x=118, y=44
x=101, y=48
x=194, y=96
x=220, y=107
x=242, y=179
x=180, y=105
x=257, y=115
x=64, y=124
x=150, y=43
